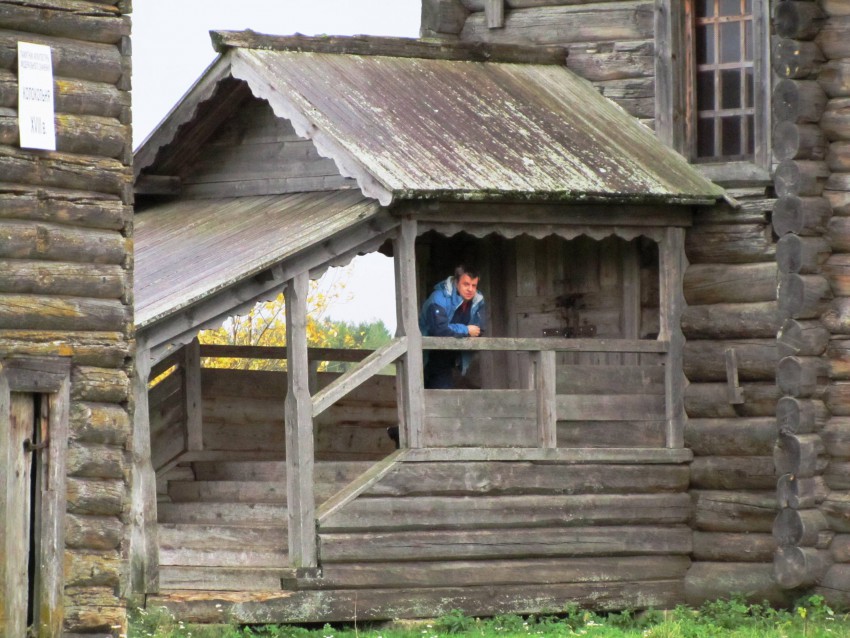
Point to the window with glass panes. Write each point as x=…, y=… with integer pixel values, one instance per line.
x=724, y=82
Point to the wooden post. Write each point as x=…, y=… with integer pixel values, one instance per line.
x=192, y=396
x=144, y=537
x=673, y=264
x=544, y=384
x=298, y=409
x=494, y=11
x=412, y=396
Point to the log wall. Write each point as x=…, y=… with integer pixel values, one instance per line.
x=66, y=275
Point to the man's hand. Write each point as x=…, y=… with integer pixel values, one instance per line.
x=474, y=331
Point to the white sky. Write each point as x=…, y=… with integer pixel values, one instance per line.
x=171, y=49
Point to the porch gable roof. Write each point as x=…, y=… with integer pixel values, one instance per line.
x=409, y=125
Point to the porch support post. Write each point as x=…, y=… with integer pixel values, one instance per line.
x=544, y=384
x=411, y=381
x=144, y=540
x=673, y=264
x=298, y=410
x=192, y=396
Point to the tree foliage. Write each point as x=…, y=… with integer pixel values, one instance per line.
x=265, y=325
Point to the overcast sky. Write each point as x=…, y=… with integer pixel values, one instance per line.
x=171, y=49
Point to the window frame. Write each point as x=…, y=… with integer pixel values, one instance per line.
x=675, y=103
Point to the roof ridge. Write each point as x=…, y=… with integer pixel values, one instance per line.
x=391, y=47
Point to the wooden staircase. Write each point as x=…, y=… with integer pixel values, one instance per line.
x=222, y=524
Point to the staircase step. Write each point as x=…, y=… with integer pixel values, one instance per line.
x=200, y=536
x=245, y=557
x=221, y=578
x=324, y=471
x=246, y=514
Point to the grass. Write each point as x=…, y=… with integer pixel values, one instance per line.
x=732, y=618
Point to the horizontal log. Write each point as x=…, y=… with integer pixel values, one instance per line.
x=835, y=586
x=500, y=572
x=798, y=527
x=800, y=178
x=95, y=461
x=799, y=376
x=68, y=313
x=801, y=338
x=801, y=215
x=743, y=437
x=839, y=549
x=635, y=95
x=838, y=234
x=87, y=209
x=800, y=493
x=753, y=208
x=837, y=271
x=93, y=532
x=803, y=296
x=800, y=416
x=710, y=400
x=798, y=101
x=796, y=567
x=837, y=474
x=835, y=121
x=729, y=244
x=838, y=359
x=53, y=242
x=93, y=569
x=600, y=61
x=101, y=349
x=832, y=37
x=74, y=97
x=730, y=547
x=99, y=385
x=441, y=17
x=839, y=200
x=104, y=423
x=796, y=59
x=730, y=283
x=101, y=281
x=97, y=497
x=92, y=23
x=836, y=437
x=727, y=511
x=614, y=21
x=837, y=398
x=798, y=20
x=80, y=134
x=528, y=542
x=63, y=170
x=799, y=141
x=505, y=478
x=834, y=78
x=801, y=255
x=733, y=473
x=799, y=454
x=95, y=62
x=731, y=321
x=709, y=581
x=706, y=360
x=464, y=512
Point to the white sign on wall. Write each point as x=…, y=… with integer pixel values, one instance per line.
x=35, y=97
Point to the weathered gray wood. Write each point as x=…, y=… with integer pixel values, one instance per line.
x=803, y=296
x=800, y=493
x=798, y=454
x=494, y=11
x=597, y=61
x=803, y=178
x=299, y=429
x=441, y=17
x=707, y=581
x=359, y=374
x=730, y=283
x=803, y=255
x=52, y=242
x=86, y=209
x=375, y=604
x=627, y=407
x=838, y=161
x=62, y=278
x=837, y=271
x=798, y=376
x=796, y=59
x=82, y=134
x=796, y=567
x=832, y=37
x=798, y=527
x=559, y=455
x=603, y=434
x=98, y=62
x=394, y=47
x=746, y=437
x=798, y=101
x=834, y=78
x=506, y=543
x=610, y=379
x=545, y=381
x=64, y=170
x=729, y=244
x=731, y=547
x=738, y=511
x=363, y=484
x=515, y=478
x=799, y=142
x=533, y=344
x=192, y=396
x=801, y=416
x=836, y=398
x=801, y=215
x=836, y=119
x=733, y=472
x=708, y=400
x=837, y=317
x=731, y=321
x=95, y=497
x=800, y=20
x=705, y=360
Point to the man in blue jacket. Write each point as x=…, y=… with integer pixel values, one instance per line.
x=454, y=309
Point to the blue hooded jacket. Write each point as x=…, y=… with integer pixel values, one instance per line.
x=440, y=307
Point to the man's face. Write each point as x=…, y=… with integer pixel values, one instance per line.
x=467, y=287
